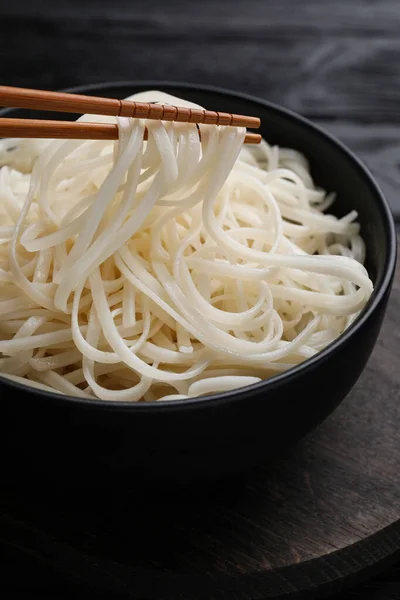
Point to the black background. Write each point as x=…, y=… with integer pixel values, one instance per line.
x=337, y=62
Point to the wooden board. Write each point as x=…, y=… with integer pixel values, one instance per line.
x=327, y=514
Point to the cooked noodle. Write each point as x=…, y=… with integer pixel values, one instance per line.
x=170, y=268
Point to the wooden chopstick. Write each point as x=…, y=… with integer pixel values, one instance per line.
x=76, y=103
x=34, y=128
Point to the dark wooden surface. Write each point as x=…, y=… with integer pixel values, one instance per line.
x=334, y=61
x=337, y=63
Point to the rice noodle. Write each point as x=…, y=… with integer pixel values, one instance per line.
x=171, y=268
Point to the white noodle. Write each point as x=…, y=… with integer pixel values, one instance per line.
x=171, y=268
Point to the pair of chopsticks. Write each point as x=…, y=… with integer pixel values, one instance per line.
x=76, y=103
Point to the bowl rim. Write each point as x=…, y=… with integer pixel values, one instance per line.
x=334, y=347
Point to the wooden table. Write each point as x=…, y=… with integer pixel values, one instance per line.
x=336, y=63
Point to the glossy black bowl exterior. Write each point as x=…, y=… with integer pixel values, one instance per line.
x=89, y=442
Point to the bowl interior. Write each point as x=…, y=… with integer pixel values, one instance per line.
x=333, y=166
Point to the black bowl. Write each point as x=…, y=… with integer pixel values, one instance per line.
x=91, y=442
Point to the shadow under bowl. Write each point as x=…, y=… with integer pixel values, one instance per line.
x=90, y=443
